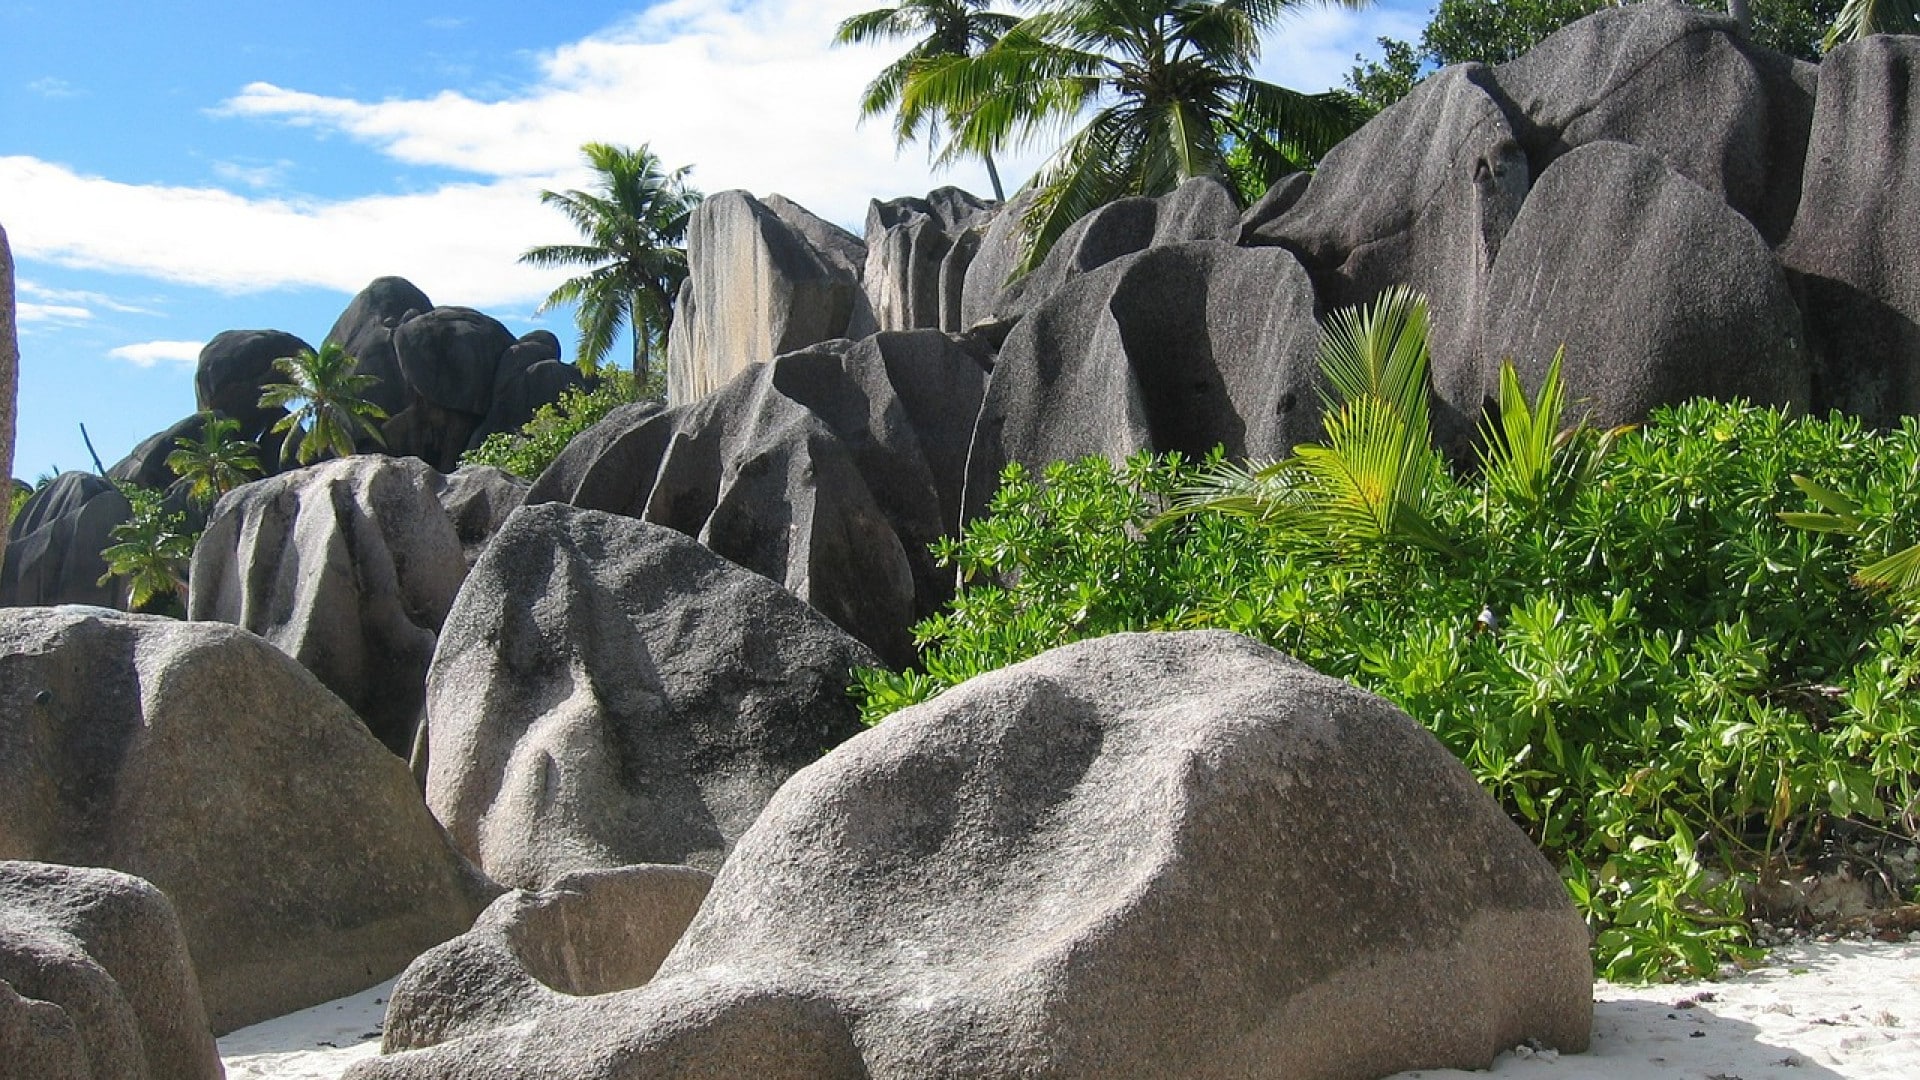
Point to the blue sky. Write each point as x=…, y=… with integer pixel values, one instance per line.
x=169, y=171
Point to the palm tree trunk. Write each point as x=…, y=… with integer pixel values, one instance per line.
x=9, y=372
x=641, y=361
x=993, y=174
x=1742, y=13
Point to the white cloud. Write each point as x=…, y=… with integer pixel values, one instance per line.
x=253, y=176
x=1313, y=48
x=52, y=313
x=147, y=354
x=80, y=296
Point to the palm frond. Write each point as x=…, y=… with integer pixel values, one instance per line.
x=1863, y=18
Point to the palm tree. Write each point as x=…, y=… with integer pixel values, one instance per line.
x=329, y=411
x=215, y=463
x=634, y=224
x=1864, y=18
x=1170, y=88
x=952, y=28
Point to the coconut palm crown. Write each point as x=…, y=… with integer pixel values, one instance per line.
x=327, y=409
x=1160, y=90
x=633, y=228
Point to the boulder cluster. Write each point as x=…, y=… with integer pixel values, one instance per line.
x=577, y=760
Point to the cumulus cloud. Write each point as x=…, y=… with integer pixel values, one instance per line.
x=148, y=354
x=90, y=299
x=28, y=312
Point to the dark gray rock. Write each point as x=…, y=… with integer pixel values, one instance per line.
x=1184, y=347
x=911, y=261
x=478, y=500
x=349, y=567
x=41, y=1040
x=54, y=544
x=1620, y=74
x=1306, y=883
x=1853, y=246
x=828, y=470
x=234, y=367
x=1421, y=197
x=1657, y=289
x=532, y=953
x=105, y=950
x=433, y=433
x=522, y=388
x=295, y=849
x=608, y=692
x=764, y=278
x=449, y=357
x=365, y=330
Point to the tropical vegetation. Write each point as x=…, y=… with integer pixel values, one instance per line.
x=1146, y=95
x=216, y=462
x=150, y=552
x=527, y=452
x=327, y=412
x=945, y=28
x=633, y=228
x=1678, y=692
x=1862, y=18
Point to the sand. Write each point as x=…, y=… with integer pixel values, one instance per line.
x=1816, y=1011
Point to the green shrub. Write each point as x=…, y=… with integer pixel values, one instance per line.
x=527, y=452
x=150, y=550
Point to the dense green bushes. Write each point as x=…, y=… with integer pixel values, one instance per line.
x=1670, y=688
x=527, y=453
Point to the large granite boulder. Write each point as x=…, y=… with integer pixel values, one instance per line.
x=103, y=949
x=1657, y=289
x=529, y=374
x=765, y=277
x=608, y=692
x=478, y=500
x=365, y=331
x=349, y=566
x=1183, y=347
x=828, y=470
x=917, y=256
x=1140, y=856
x=1204, y=208
x=450, y=359
x=234, y=367
x=534, y=952
x=1680, y=83
x=1851, y=248
x=294, y=848
x=1422, y=197
x=54, y=544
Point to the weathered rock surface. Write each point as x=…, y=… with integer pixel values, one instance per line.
x=478, y=499
x=531, y=953
x=104, y=951
x=365, y=331
x=1181, y=347
x=294, y=848
x=54, y=544
x=1421, y=196
x=1140, y=856
x=1853, y=246
x=765, y=277
x=349, y=566
x=608, y=692
x=1618, y=75
x=1610, y=230
x=828, y=470
x=917, y=257
x=234, y=367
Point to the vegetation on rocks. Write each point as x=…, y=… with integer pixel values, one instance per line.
x=329, y=412
x=527, y=453
x=1676, y=690
x=150, y=553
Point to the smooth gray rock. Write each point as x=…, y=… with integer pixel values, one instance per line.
x=1658, y=290
x=916, y=255
x=764, y=278
x=365, y=330
x=1182, y=347
x=349, y=567
x=295, y=849
x=608, y=692
x=233, y=369
x=1680, y=83
x=1854, y=248
x=1138, y=856
x=449, y=356
x=478, y=500
x=828, y=471
x=105, y=949
x=54, y=544
x=41, y=1039
x=533, y=953
x=1422, y=197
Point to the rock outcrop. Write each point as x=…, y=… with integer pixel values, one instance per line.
x=349, y=567
x=365, y=332
x=102, y=952
x=478, y=500
x=608, y=692
x=828, y=470
x=765, y=277
x=294, y=848
x=1139, y=856
x=918, y=251
x=54, y=544
x=531, y=953
x=1182, y=347
x=234, y=367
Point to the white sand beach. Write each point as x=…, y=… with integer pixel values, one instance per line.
x=1815, y=1011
